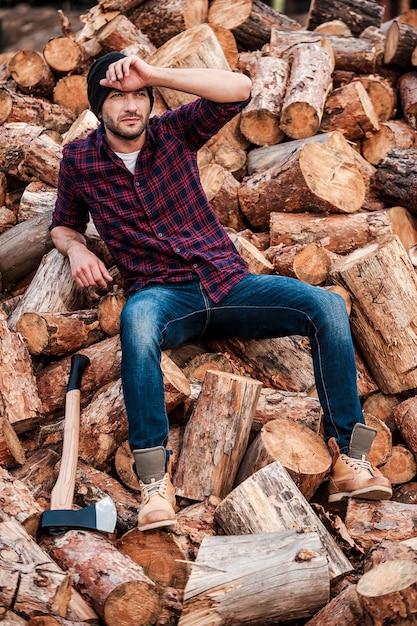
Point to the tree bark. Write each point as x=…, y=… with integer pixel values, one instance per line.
x=17, y=107
x=216, y=436
x=386, y=332
x=229, y=571
x=392, y=134
x=407, y=90
x=280, y=506
x=349, y=109
x=400, y=42
x=356, y=15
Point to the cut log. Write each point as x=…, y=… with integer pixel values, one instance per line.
x=37, y=199
x=342, y=234
x=59, y=333
x=255, y=31
x=395, y=178
x=65, y=56
x=388, y=592
x=401, y=467
x=350, y=53
x=11, y=450
x=52, y=289
x=279, y=506
x=71, y=92
x=344, y=608
x=312, y=264
x=18, y=504
x=259, y=121
x=400, y=41
x=392, y=134
x=161, y=20
x=356, y=15
x=315, y=178
x=32, y=73
x=232, y=159
x=118, y=588
x=369, y=523
x=84, y=123
x=385, y=333
x=108, y=311
x=256, y=260
x=282, y=363
x=298, y=407
x=221, y=189
x=38, y=473
x=349, y=109
x=230, y=571
x=382, y=406
x=14, y=138
x=405, y=419
x=20, y=403
x=17, y=107
x=407, y=89
x=381, y=449
x=382, y=94
x=229, y=14
x=159, y=553
x=216, y=436
x=197, y=46
x=308, y=87
x=303, y=453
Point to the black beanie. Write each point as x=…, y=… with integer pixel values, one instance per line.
x=96, y=92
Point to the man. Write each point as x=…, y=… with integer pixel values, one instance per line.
x=138, y=178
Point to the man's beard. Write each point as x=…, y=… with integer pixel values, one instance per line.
x=115, y=128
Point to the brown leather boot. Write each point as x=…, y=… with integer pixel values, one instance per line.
x=158, y=495
x=352, y=475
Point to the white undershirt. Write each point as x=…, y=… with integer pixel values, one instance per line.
x=129, y=159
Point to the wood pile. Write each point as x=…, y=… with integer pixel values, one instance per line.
x=316, y=180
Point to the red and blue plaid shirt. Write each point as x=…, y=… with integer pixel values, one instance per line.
x=157, y=224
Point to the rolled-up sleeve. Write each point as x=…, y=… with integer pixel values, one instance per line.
x=70, y=210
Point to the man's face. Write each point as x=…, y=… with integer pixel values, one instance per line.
x=126, y=113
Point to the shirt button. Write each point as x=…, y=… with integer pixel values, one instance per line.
x=195, y=265
x=159, y=234
x=137, y=183
x=177, y=249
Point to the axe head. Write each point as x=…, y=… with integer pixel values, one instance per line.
x=99, y=516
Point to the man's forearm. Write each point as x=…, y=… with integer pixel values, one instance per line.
x=64, y=238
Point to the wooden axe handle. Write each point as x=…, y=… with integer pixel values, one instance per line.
x=62, y=494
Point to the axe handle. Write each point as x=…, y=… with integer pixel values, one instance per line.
x=62, y=493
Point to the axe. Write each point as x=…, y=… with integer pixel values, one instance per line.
x=61, y=517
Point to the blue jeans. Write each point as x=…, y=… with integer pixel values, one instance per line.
x=160, y=317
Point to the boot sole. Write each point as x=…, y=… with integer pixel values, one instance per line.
x=160, y=524
x=378, y=493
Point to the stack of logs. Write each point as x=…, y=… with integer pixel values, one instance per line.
x=315, y=180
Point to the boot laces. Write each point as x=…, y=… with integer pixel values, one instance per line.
x=156, y=486
x=361, y=464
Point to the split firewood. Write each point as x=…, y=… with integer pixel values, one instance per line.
x=401, y=466
x=14, y=138
x=221, y=189
x=32, y=73
x=382, y=94
x=350, y=53
x=18, y=503
x=119, y=589
x=280, y=506
x=349, y=109
x=160, y=555
x=281, y=440
x=260, y=120
x=52, y=289
x=407, y=85
x=363, y=521
x=93, y=21
x=342, y=234
x=12, y=619
x=232, y=159
x=315, y=178
x=17, y=107
x=60, y=333
x=207, y=429
x=20, y=402
x=85, y=123
x=108, y=311
x=405, y=418
x=357, y=16
x=229, y=135
x=385, y=333
x=313, y=263
x=37, y=198
x=256, y=260
x=197, y=46
x=309, y=84
x=226, y=569
x=282, y=363
x=228, y=14
x=388, y=591
x=38, y=472
x=11, y=450
x=401, y=39
x=392, y=134
x=41, y=159
x=161, y=22
x=228, y=43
